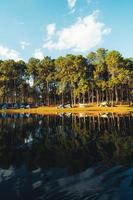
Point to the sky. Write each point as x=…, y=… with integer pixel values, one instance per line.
x=38, y=28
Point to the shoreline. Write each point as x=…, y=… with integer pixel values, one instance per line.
x=88, y=110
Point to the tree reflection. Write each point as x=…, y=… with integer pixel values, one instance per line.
x=59, y=141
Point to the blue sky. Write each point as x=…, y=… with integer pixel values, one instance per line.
x=37, y=28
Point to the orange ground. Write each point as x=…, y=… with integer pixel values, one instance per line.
x=89, y=109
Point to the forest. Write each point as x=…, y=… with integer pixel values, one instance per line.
x=100, y=76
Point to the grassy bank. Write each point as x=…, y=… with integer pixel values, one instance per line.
x=89, y=109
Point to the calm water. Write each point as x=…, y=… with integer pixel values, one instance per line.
x=66, y=157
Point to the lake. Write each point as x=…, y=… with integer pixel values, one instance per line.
x=66, y=157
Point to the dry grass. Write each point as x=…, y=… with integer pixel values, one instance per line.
x=89, y=109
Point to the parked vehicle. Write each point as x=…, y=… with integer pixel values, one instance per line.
x=16, y=106
x=10, y=105
x=105, y=104
x=67, y=106
x=1, y=106
x=4, y=106
x=64, y=106
x=27, y=106
x=60, y=106
x=22, y=106
x=34, y=105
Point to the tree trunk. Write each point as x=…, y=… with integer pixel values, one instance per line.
x=47, y=94
x=97, y=97
x=62, y=98
x=116, y=95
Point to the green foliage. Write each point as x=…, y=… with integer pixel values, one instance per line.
x=99, y=76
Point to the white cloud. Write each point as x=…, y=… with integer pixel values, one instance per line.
x=71, y=11
x=6, y=53
x=38, y=54
x=81, y=36
x=24, y=44
x=51, y=28
x=71, y=3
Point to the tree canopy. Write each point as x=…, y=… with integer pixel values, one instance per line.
x=100, y=76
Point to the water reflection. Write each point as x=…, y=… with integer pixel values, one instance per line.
x=66, y=157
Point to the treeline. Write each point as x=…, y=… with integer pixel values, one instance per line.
x=100, y=76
